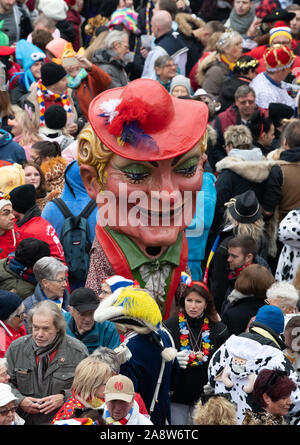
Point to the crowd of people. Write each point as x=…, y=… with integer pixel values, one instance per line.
x=106, y=316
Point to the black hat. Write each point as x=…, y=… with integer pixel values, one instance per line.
x=55, y=117
x=278, y=111
x=9, y=302
x=245, y=208
x=52, y=73
x=84, y=299
x=279, y=14
x=23, y=198
x=30, y=250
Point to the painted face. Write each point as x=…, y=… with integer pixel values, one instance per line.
x=154, y=201
x=194, y=305
x=32, y=176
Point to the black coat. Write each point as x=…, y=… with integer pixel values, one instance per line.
x=239, y=310
x=191, y=380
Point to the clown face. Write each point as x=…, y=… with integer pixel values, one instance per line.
x=154, y=201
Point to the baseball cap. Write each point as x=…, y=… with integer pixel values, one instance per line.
x=84, y=299
x=119, y=387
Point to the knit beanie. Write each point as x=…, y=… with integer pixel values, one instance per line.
x=52, y=73
x=54, y=9
x=23, y=198
x=55, y=117
x=4, y=39
x=272, y=317
x=180, y=80
x=30, y=250
x=280, y=31
x=117, y=281
x=9, y=302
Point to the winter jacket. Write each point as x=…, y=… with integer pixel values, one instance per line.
x=289, y=235
x=197, y=232
x=96, y=81
x=8, y=243
x=9, y=150
x=33, y=225
x=107, y=60
x=136, y=417
x=75, y=197
x=22, y=368
x=102, y=334
x=239, y=310
x=143, y=369
x=190, y=381
x=10, y=280
x=18, y=92
x=283, y=183
x=214, y=77
x=8, y=335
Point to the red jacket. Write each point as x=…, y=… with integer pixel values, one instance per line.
x=8, y=243
x=96, y=81
x=41, y=229
x=8, y=335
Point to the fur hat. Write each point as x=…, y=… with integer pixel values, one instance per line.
x=142, y=121
x=277, y=58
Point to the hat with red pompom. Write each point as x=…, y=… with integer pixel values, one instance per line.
x=277, y=58
x=142, y=121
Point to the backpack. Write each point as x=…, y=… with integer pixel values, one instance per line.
x=75, y=239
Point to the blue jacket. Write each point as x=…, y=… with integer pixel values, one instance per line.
x=102, y=334
x=197, y=232
x=10, y=150
x=75, y=197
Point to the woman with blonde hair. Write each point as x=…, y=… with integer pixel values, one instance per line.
x=24, y=128
x=214, y=69
x=87, y=388
x=216, y=411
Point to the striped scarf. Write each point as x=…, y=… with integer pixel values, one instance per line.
x=110, y=421
x=43, y=93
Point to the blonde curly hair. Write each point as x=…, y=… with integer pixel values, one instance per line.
x=216, y=411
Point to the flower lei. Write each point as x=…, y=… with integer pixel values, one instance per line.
x=200, y=358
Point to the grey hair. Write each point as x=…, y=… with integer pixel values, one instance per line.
x=46, y=21
x=108, y=356
x=227, y=40
x=48, y=307
x=112, y=37
x=48, y=267
x=239, y=136
x=161, y=61
x=285, y=291
x=242, y=91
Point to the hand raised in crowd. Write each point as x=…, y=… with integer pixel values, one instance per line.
x=84, y=62
x=253, y=27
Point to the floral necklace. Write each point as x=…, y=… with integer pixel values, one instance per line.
x=196, y=358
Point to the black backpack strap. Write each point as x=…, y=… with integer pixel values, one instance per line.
x=88, y=209
x=62, y=207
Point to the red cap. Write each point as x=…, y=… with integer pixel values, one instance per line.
x=142, y=121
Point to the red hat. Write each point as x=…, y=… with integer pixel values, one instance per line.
x=7, y=50
x=143, y=121
x=278, y=58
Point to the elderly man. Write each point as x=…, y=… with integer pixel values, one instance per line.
x=145, y=147
x=41, y=365
x=81, y=324
x=120, y=407
x=165, y=43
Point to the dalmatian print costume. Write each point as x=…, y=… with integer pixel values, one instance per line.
x=289, y=235
x=235, y=365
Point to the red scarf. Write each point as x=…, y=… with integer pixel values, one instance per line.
x=235, y=273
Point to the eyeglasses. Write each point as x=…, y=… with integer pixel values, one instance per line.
x=21, y=315
x=7, y=410
x=63, y=280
